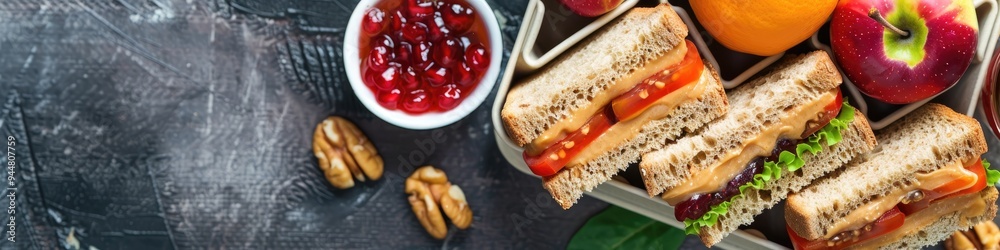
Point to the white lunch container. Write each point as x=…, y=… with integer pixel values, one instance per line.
x=534, y=48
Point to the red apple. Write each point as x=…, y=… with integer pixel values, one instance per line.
x=929, y=52
x=591, y=8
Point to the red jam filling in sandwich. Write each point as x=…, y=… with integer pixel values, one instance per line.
x=572, y=145
x=713, y=186
x=899, y=213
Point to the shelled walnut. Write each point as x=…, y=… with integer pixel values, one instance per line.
x=430, y=194
x=986, y=235
x=344, y=152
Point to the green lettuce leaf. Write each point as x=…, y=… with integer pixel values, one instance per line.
x=829, y=134
x=992, y=176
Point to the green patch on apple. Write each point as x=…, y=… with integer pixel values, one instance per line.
x=908, y=48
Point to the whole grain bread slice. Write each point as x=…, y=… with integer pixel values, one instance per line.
x=925, y=140
x=754, y=106
x=570, y=82
x=568, y=185
x=858, y=138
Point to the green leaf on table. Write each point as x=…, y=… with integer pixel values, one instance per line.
x=618, y=228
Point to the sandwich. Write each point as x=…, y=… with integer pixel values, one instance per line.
x=924, y=181
x=783, y=130
x=627, y=90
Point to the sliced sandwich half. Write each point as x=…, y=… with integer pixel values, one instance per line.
x=783, y=130
x=924, y=181
x=623, y=92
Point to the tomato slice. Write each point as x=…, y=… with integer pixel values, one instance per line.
x=980, y=171
x=829, y=112
x=799, y=243
x=642, y=96
x=950, y=189
x=889, y=221
x=556, y=156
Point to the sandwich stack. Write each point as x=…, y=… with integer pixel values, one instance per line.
x=622, y=93
x=784, y=130
x=924, y=181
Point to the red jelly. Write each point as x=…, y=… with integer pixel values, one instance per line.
x=423, y=56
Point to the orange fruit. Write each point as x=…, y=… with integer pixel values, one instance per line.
x=762, y=27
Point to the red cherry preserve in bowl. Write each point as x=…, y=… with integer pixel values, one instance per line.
x=422, y=56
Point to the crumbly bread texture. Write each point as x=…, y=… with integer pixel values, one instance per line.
x=858, y=138
x=568, y=185
x=572, y=80
x=755, y=106
x=947, y=224
x=923, y=141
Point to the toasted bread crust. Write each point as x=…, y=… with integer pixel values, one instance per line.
x=976, y=140
x=923, y=141
x=568, y=185
x=567, y=83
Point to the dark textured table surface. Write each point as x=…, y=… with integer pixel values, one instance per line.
x=186, y=124
x=164, y=124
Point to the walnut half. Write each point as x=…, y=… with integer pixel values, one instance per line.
x=344, y=152
x=454, y=205
x=985, y=235
x=430, y=191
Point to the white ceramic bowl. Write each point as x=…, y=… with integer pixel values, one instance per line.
x=431, y=120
